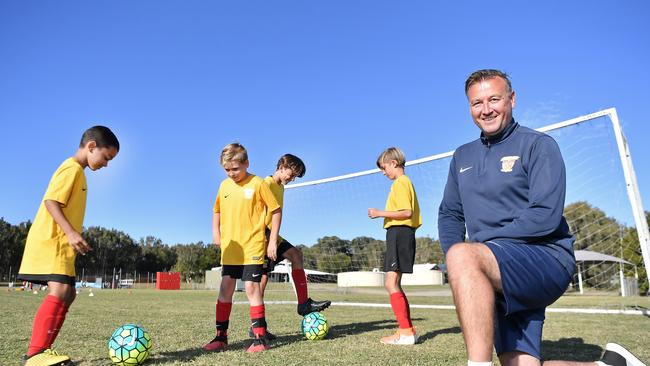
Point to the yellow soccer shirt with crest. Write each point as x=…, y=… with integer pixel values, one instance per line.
x=402, y=197
x=47, y=250
x=243, y=208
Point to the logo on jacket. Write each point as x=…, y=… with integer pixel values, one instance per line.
x=248, y=193
x=507, y=163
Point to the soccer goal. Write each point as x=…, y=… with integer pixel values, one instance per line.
x=603, y=207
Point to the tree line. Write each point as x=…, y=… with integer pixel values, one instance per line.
x=112, y=248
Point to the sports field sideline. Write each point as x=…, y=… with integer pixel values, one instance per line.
x=180, y=322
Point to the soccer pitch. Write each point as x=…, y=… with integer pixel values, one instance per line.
x=180, y=322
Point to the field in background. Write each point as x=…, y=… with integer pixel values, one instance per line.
x=180, y=322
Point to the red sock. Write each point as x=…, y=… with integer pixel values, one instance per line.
x=222, y=311
x=401, y=309
x=60, y=318
x=300, y=280
x=258, y=321
x=47, y=323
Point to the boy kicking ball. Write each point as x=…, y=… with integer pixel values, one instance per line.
x=289, y=167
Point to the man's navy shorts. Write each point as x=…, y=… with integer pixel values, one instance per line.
x=531, y=278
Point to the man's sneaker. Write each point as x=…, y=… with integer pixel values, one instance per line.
x=258, y=345
x=311, y=306
x=46, y=358
x=617, y=355
x=219, y=343
x=402, y=337
x=269, y=336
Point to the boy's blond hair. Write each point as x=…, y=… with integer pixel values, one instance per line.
x=392, y=153
x=234, y=152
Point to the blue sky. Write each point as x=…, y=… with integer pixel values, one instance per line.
x=334, y=82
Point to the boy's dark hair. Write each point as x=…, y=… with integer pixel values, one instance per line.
x=294, y=163
x=486, y=74
x=102, y=136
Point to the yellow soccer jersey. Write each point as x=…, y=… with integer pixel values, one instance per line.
x=243, y=208
x=47, y=250
x=402, y=197
x=278, y=193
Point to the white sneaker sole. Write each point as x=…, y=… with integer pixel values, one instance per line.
x=404, y=342
x=629, y=357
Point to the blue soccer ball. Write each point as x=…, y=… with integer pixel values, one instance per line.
x=315, y=326
x=129, y=345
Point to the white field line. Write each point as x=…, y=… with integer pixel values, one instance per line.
x=451, y=307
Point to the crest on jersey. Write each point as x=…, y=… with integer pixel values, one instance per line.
x=248, y=193
x=507, y=163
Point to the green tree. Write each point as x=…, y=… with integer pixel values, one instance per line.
x=337, y=263
x=428, y=250
x=12, y=244
x=592, y=228
x=194, y=259
x=632, y=253
x=366, y=253
x=156, y=256
x=111, y=249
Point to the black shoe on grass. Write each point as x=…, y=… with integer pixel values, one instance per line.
x=311, y=306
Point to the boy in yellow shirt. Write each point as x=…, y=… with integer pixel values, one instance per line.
x=54, y=239
x=401, y=219
x=289, y=167
x=238, y=227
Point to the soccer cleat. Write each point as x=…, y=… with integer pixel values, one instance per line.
x=402, y=337
x=269, y=336
x=48, y=357
x=258, y=345
x=311, y=306
x=617, y=355
x=219, y=343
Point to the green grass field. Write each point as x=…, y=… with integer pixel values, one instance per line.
x=180, y=322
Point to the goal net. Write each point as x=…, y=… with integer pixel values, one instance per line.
x=328, y=217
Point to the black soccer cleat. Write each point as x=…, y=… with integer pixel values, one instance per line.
x=311, y=306
x=617, y=355
x=269, y=336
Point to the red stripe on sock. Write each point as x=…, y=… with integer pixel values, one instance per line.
x=300, y=280
x=47, y=322
x=400, y=306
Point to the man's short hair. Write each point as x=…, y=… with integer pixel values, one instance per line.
x=294, y=163
x=392, y=153
x=486, y=74
x=234, y=152
x=102, y=136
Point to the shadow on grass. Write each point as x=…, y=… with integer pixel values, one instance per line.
x=645, y=310
x=187, y=355
x=571, y=349
x=338, y=331
x=344, y=330
x=431, y=335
